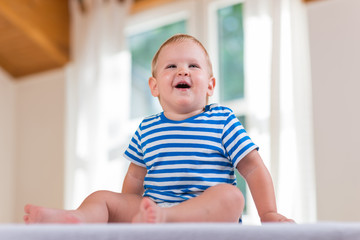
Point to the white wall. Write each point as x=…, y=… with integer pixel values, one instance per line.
x=32, y=142
x=335, y=58
x=7, y=118
x=40, y=141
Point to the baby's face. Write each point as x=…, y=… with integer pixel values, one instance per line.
x=182, y=81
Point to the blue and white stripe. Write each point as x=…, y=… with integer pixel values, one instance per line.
x=184, y=158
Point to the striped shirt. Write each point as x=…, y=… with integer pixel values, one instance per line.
x=184, y=158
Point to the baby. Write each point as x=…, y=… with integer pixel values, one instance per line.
x=182, y=159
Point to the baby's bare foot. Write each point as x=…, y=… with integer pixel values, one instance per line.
x=149, y=212
x=36, y=214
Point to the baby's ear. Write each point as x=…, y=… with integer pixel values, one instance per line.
x=153, y=87
x=211, y=86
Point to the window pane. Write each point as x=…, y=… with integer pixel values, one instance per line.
x=231, y=52
x=143, y=46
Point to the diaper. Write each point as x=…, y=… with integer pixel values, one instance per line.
x=167, y=204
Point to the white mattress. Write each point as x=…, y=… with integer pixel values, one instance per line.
x=188, y=231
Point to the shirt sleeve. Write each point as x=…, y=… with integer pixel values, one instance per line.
x=236, y=141
x=134, y=152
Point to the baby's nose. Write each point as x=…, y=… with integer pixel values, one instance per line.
x=183, y=72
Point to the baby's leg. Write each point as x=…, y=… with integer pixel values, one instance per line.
x=101, y=206
x=221, y=203
x=36, y=214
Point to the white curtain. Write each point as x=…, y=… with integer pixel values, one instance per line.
x=279, y=87
x=98, y=96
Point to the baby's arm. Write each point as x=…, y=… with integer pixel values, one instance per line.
x=134, y=179
x=257, y=176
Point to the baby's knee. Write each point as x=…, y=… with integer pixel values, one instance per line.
x=99, y=195
x=234, y=193
x=228, y=191
x=232, y=200
x=231, y=194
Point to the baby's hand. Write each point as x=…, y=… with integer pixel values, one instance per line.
x=275, y=217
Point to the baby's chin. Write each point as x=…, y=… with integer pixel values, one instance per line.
x=184, y=104
x=191, y=108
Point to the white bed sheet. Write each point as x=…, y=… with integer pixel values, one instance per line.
x=188, y=231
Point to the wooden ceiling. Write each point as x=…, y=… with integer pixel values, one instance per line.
x=34, y=34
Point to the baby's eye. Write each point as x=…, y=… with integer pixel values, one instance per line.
x=171, y=66
x=193, y=66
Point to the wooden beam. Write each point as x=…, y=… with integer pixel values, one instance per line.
x=14, y=10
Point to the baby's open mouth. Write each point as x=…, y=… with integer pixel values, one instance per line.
x=182, y=85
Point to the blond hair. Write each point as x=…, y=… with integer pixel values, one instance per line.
x=176, y=39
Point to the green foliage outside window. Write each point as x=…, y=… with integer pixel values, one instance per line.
x=143, y=46
x=231, y=52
